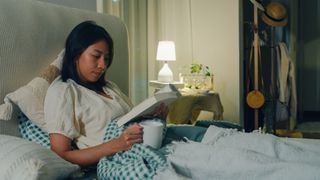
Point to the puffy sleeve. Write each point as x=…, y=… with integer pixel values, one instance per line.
x=59, y=111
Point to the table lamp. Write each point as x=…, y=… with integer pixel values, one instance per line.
x=166, y=52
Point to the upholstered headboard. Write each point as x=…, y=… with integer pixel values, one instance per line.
x=32, y=33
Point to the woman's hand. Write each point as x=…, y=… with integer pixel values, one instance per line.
x=132, y=135
x=61, y=145
x=160, y=112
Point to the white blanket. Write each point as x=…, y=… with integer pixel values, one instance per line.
x=229, y=154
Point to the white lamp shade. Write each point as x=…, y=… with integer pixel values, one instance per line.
x=166, y=51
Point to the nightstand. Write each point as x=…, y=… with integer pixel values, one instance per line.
x=187, y=108
x=158, y=84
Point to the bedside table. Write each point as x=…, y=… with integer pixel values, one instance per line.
x=158, y=84
x=186, y=108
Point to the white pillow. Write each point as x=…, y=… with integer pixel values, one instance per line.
x=30, y=98
x=22, y=159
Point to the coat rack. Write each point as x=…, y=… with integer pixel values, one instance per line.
x=256, y=69
x=255, y=98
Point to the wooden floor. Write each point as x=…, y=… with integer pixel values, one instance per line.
x=310, y=129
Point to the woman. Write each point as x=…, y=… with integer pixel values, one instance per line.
x=80, y=103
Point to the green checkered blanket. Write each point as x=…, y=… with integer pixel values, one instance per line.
x=32, y=132
x=140, y=162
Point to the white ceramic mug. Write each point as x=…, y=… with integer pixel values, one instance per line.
x=152, y=133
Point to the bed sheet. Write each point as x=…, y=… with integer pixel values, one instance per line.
x=230, y=154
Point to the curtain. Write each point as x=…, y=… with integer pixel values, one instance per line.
x=170, y=20
x=149, y=21
x=134, y=15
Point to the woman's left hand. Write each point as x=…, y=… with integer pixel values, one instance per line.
x=160, y=112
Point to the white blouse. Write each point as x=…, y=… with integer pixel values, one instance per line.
x=80, y=113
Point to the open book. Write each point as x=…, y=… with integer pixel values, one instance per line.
x=165, y=95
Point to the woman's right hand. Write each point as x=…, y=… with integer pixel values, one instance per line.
x=61, y=145
x=132, y=135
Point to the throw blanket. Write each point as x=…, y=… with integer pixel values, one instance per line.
x=141, y=162
x=229, y=154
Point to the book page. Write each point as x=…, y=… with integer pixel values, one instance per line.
x=165, y=95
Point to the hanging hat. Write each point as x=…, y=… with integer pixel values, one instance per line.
x=275, y=14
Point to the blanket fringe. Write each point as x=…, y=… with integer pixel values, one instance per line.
x=6, y=110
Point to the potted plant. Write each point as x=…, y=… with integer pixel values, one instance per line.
x=199, y=78
x=196, y=68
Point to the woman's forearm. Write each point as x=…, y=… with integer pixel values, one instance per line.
x=92, y=155
x=61, y=145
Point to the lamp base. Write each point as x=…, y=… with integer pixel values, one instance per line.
x=165, y=74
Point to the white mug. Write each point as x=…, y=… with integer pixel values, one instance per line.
x=152, y=133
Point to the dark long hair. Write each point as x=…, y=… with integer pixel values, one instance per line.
x=80, y=38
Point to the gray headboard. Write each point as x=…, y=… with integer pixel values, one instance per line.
x=32, y=33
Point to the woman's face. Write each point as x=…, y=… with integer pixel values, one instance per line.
x=93, y=62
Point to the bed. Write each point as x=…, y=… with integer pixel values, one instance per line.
x=32, y=36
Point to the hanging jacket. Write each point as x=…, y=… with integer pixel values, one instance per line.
x=287, y=94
